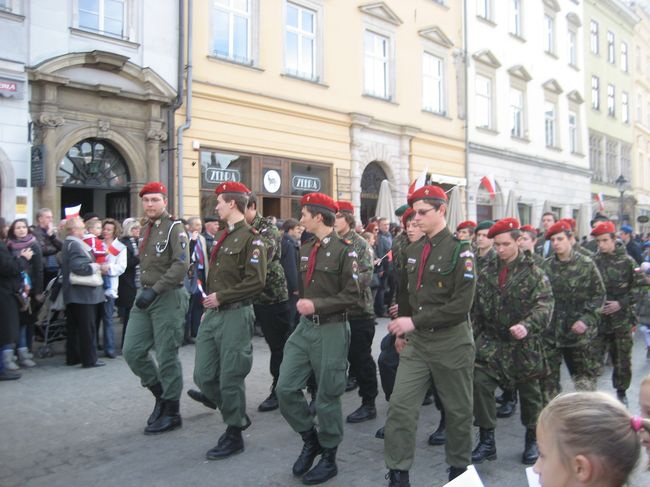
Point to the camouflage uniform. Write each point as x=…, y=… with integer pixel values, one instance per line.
x=621, y=279
x=526, y=299
x=579, y=295
x=482, y=261
x=481, y=264
x=583, y=250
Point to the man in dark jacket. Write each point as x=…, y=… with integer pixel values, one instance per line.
x=289, y=262
x=633, y=250
x=50, y=244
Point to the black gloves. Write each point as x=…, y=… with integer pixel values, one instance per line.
x=145, y=298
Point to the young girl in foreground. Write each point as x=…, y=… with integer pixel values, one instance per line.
x=586, y=439
x=644, y=402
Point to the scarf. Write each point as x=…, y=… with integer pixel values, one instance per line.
x=18, y=244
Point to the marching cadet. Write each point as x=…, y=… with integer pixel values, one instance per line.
x=484, y=246
x=527, y=242
x=543, y=246
x=158, y=317
x=224, y=352
x=617, y=269
x=361, y=318
x=439, y=281
x=272, y=305
x=514, y=305
x=574, y=243
x=329, y=287
x=579, y=296
x=465, y=230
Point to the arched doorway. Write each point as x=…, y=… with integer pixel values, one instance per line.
x=94, y=174
x=371, y=180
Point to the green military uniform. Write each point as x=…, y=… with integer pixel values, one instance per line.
x=481, y=264
x=320, y=342
x=164, y=261
x=583, y=250
x=525, y=298
x=224, y=352
x=483, y=260
x=441, y=348
x=579, y=295
x=615, y=330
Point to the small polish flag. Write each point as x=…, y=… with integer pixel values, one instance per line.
x=199, y=284
x=72, y=211
x=600, y=199
x=488, y=183
x=418, y=183
x=116, y=247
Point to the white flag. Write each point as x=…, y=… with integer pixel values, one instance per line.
x=469, y=479
x=72, y=211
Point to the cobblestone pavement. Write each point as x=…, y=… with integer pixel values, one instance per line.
x=65, y=426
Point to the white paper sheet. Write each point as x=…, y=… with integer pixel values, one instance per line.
x=469, y=479
x=532, y=477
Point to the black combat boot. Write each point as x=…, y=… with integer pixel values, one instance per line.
x=230, y=443
x=380, y=433
x=398, y=478
x=508, y=404
x=365, y=412
x=324, y=470
x=157, y=391
x=310, y=450
x=486, y=449
x=169, y=419
x=531, y=452
x=456, y=472
x=620, y=394
x=270, y=403
x=351, y=384
x=198, y=396
x=439, y=436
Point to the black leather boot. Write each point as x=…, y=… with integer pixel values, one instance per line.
x=169, y=420
x=157, y=391
x=380, y=433
x=486, y=449
x=365, y=412
x=530, y=450
x=230, y=443
x=398, y=478
x=198, y=396
x=270, y=403
x=620, y=394
x=324, y=470
x=310, y=450
x=508, y=404
x=439, y=436
x=456, y=472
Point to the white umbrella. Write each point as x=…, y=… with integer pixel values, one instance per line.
x=385, y=206
x=512, y=210
x=583, y=226
x=454, y=209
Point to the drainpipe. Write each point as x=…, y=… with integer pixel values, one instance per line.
x=188, y=104
x=465, y=89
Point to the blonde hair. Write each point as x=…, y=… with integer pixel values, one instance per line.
x=128, y=225
x=595, y=425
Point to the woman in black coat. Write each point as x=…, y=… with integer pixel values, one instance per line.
x=130, y=279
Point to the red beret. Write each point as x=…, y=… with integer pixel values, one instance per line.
x=560, y=226
x=232, y=187
x=466, y=224
x=429, y=193
x=602, y=228
x=407, y=216
x=345, y=206
x=529, y=229
x=321, y=200
x=502, y=226
x=571, y=222
x=153, y=188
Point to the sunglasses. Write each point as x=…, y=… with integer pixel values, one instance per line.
x=422, y=212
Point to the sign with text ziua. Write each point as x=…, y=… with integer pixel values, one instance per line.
x=38, y=166
x=218, y=175
x=305, y=183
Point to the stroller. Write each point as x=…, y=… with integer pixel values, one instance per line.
x=50, y=321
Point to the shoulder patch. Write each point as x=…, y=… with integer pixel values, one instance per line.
x=258, y=242
x=467, y=253
x=352, y=254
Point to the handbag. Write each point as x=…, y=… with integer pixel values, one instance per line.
x=93, y=280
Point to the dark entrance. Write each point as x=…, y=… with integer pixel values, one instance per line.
x=371, y=179
x=94, y=174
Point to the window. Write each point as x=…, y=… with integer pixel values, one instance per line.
x=611, y=160
x=231, y=24
x=484, y=9
x=376, y=64
x=573, y=132
x=596, y=156
x=515, y=17
x=639, y=108
x=524, y=213
x=594, y=40
x=433, y=83
x=595, y=92
x=611, y=100
x=516, y=113
x=483, y=101
x=549, y=124
x=625, y=107
x=103, y=16
x=549, y=34
x=624, y=56
x=626, y=160
x=300, y=42
x=611, y=47
x=573, y=48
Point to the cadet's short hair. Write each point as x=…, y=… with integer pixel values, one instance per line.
x=546, y=213
x=515, y=234
x=290, y=224
x=240, y=199
x=252, y=200
x=349, y=219
x=328, y=216
x=435, y=203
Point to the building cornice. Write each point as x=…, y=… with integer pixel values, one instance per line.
x=620, y=9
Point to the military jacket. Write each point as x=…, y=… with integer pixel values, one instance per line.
x=482, y=261
x=526, y=299
x=238, y=271
x=364, y=307
x=334, y=285
x=275, y=289
x=621, y=279
x=583, y=250
x=446, y=291
x=579, y=294
x=164, y=260
x=400, y=243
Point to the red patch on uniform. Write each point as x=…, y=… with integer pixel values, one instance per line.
x=469, y=265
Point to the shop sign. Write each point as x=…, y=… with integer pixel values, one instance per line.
x=10, y=88
x=38, y=166
x=218, y=175
x=305, y=183
x=272, y=181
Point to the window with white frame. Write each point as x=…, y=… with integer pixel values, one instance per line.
x=595, y=92
x=484, y=9
x=300, y=41
x=611, y=47
x=573, y=132
x=594, y=37
x=573, y=47
x=483, y=92
x=516, y=113
x=611, y=100
x=624, y=63
x=549, y=34
x=596, y=156
x=515, y=18
x=376, y=64
x=639, y=108
x=433, y=83
x=231, y=30
x=107, y=17
x=550, y=122
x=625, y=107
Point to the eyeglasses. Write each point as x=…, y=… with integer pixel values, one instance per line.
x=422, y=212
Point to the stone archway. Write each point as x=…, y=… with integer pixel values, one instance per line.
x=371, y=179
x=7, y=188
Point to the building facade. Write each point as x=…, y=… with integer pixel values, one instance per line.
x=293, y=96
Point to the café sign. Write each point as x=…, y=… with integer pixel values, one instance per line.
x=305, y=183
x=218, y=175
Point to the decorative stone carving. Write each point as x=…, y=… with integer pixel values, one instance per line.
x=50, y=120
x=156, y=135
x=103, y=125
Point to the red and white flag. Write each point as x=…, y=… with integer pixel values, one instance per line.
x=72, y=211
x=488, y=184
x=116, y=247
x=600, y=199
x=418, y=183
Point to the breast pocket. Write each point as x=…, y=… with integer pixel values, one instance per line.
x=233, y=257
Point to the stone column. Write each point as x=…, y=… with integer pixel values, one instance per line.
x=47, y=124
x=154, y=137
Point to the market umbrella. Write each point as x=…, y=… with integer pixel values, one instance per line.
x=583, y=227
x=512, y=210
x=385, y=205
x=454, y=209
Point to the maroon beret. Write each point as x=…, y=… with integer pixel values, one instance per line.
x=559, y=226
x=232, y=187
x=435, y=193
x=150, y=188
x=466, y=224
x=502, y=226
x=319, y=200
x=345, y=206
x=602, y=228
x=407, y=216
x=570, y=221
x=529, y=229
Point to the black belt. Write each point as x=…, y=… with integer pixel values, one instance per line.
x=324, y=319
x=237, y=305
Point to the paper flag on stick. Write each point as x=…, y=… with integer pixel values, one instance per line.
x=116, y=247
x=469, y=479
x=72, y=211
